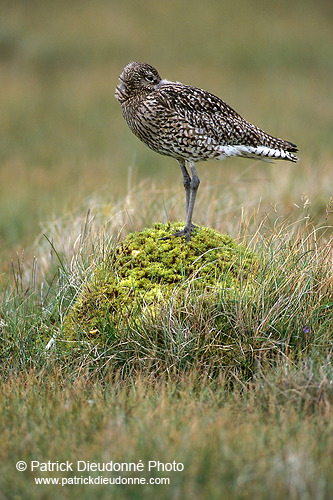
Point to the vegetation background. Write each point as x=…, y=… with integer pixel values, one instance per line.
x=68, y=163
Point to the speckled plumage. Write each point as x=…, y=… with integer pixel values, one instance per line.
x=190, y=124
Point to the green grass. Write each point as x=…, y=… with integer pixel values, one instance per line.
x=242, y=411
x=249, y=416
x=272, y=440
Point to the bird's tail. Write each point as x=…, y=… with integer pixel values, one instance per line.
x=274, y=152
x=269, y=153
x=266, y=147
x=271, y=147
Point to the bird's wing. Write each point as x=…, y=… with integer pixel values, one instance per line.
x=201, y=110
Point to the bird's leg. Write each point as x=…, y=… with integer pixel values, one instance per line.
x=194, y=185
x=186, y=182
x=191, y=187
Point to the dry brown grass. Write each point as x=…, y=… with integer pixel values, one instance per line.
x=71, y=170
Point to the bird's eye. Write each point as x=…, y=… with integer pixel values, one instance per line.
x=150, y=77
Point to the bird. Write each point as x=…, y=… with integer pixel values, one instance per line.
x=190, y=124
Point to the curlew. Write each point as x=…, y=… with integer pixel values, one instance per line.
x=190, y=124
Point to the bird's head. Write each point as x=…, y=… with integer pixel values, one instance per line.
x=136, y=78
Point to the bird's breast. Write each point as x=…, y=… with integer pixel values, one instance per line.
x=167, y=131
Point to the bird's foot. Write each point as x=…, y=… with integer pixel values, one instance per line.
x=186, y=232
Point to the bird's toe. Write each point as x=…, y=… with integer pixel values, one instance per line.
x=186, y=233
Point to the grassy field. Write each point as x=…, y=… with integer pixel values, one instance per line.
x=251, y=422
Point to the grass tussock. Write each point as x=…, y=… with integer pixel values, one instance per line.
x=151, y=268
x=286, y=311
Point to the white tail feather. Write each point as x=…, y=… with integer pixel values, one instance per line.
x=260, y=152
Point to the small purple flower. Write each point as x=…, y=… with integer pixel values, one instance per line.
x=306, y=329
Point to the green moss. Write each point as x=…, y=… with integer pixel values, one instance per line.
x=144, y=271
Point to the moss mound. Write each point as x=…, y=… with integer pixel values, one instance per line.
x=144, y=271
